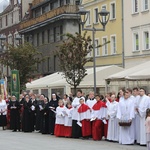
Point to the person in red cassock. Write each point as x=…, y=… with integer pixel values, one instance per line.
x=84, y=116
x=98, y=113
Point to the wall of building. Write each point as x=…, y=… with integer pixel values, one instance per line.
x=113, y=29
x=136, y=22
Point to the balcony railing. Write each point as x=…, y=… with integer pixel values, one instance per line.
x=66, y=9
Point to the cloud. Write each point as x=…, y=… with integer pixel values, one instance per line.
x=3, y=4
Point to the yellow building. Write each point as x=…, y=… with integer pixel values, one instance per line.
x=112, y=53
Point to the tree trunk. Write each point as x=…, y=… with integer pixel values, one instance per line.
x=74, y=90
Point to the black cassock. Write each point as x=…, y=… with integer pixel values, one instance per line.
x=33, y=114
x=26, y=120
x=14, y=115
x=52, y=103
x=45, y=119
x=39, y=114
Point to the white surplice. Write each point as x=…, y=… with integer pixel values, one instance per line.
x=68, y=117
x=143, y=105
x=75, y=105
x=3, y=107
x=60, y=116
x=113, y=126
x=91, y=103
x=125, y=111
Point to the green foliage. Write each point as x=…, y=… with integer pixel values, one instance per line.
x=72, y=56
x=23, y=58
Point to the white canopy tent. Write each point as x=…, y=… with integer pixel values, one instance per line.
x=139, y=75
x=56, y=80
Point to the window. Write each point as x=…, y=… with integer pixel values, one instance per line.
x=43, y=37
x=54, y=33
x=97, y=52
x=67, y=1
x=37, y=39
x=45, y=9
x=113, y=11
x=90, y=53
x=136, y=41
x=146, y=40
x=54, y=62
x=113, y=44
x=6, y=20
x=38, y=12
x=12, y=18
x=51, y=6
x=145, y=4
x=61, y=32
x=61, y=2
x=48, y=36
x=88, y=22
x=48, y=64
x=104, y=47
x=96, y=15
x=135, y=6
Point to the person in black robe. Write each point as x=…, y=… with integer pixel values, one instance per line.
x=45, y=117
x=39, y=107
x=33, y=111
x=53, y=104
x=14, y=107
x=26, y=121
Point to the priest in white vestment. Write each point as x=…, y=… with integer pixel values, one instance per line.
x=143, y=105
x=125, y=112
x=137, y=117
x=113, y=126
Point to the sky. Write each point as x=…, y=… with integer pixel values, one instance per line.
x=2, y=3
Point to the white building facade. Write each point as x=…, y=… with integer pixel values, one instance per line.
x=136, y=32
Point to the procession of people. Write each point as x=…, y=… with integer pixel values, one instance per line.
x=123, y=119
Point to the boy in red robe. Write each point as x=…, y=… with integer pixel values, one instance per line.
x=84, y=115
x=98, y=113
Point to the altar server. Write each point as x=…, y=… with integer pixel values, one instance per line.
x=113, y=127
x=91, y=100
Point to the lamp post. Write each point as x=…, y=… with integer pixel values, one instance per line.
x=103, y=17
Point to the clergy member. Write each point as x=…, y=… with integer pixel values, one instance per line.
x=113, y=126
x=14, y=107
x=125, y=113
x=143, y=105
x=91, y=100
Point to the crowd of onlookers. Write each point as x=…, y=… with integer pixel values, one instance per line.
x=123, y=118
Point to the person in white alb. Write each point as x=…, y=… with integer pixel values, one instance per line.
x=143, y=105
x=3, y=113
x=137, y=117
x=125, y=113
x=113, y=126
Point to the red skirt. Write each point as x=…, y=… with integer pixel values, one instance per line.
x=105, y=129
x=97, y=126
x=67, y=131
x=86, y=128
x=59, y=130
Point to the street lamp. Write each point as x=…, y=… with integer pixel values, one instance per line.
x=18, y=39
x=103, y=17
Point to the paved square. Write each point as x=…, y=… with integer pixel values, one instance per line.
x=35, y=141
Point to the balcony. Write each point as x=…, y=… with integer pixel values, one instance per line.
x=66, y=9
x=35, y=2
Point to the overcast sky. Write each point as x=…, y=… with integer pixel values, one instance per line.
x=2, y=3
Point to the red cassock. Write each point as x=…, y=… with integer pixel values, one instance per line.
x=67, y=131
x=97, y=126
x=59, y=130
x=84, y=113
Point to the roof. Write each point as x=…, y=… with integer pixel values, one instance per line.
x=138, y=72
x=57, y=80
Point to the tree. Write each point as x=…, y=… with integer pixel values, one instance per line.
x=23, y=58
x=72, y=55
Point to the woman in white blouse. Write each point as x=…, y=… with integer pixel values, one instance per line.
x=3, y=113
